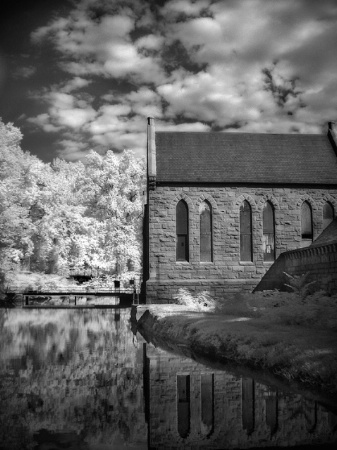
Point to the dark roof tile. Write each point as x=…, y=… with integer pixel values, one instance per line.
x=245, y=157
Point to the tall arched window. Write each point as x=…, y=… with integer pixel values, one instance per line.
x=206, y=250
x=248, y=404
x=183, y=405
x=328, y=214
x=306, y=224
x=207, y=403
x=182, y=231
x=268, y=232
x=246, y=252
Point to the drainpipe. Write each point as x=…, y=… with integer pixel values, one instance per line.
x=151, y=154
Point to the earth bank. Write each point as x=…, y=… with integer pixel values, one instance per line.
x=303, y=357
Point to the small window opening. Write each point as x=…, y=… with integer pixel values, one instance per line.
x=272, y=412
x=268, y=233
x=248, y=405
x=183, y=405
x=207, y=403
x=246, y=250
x=306, y=224
x=206, y=244
x=182, y=252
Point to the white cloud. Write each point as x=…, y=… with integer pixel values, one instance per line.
x=74, y=118
x=102, y=48
x=249, y=65
x=72, y=150
x=174, y=7
x=75, y=84
x=171, y=126
x=150, y=42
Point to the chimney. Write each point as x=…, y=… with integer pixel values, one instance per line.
x=151, y=154
x=332, y=135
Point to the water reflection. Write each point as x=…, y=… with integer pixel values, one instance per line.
x=72, y=378
x=193, y=406
x=80, y=379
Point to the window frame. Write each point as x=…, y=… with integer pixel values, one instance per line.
x=268, y=233
x=206, y=256
x=307, y=237
x=246, y=238
x=182, y=237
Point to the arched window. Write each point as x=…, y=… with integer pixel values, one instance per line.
x=248, y=404
x=306, y=224
x=206, y=251
x=207, y=403
x=182, y=231
x=268, y=232
x=246, y=253
x=183, y=405
x=328, y=214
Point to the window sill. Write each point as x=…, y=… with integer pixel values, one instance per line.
x=183, y=262
x=206, y=262
x=246, y=263
x=268, y=263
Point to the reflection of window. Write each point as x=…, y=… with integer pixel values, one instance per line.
x=306, y=224
x=207, y=403
x=268, y=233
x=183, y=404
x=248, y=404
x=205, y=232
x=328, y=214
x=182, y=231
x=272, y=411
x=309, y=408
x=246, y=232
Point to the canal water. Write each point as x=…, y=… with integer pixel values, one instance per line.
x=81, y=379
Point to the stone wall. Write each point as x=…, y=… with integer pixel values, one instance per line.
x=225, y=273
x=319, y=261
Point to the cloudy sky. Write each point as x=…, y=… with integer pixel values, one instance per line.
x=77, y=75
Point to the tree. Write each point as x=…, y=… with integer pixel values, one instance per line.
x=17, y=190
x=65, y=214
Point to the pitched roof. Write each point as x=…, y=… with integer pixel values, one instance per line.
x=245, y=158
x=328, y=236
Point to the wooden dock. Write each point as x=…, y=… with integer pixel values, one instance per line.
x=74, y=298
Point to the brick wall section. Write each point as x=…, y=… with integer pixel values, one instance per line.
x=320, y=261
x=226, y=273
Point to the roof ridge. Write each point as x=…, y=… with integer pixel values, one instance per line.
x=241, y=133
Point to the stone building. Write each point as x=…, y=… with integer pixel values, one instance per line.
x=221, y=207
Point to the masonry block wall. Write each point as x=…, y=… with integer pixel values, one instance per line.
x=320, y=262
x=226, y=273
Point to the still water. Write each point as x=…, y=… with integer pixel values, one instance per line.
x=81, y=379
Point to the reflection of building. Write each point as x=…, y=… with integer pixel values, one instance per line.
x=189, y=405
x=222, y=207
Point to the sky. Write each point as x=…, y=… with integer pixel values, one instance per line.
x=77, y=75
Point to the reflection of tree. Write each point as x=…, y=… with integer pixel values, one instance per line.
x=72, y=375
x=14, y=430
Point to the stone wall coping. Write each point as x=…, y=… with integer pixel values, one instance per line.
x=312, y=250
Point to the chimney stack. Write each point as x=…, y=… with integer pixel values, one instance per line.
x=151, y=153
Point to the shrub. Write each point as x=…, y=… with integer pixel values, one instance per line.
x=285, y=308
x=200, y=302
x=299, y=284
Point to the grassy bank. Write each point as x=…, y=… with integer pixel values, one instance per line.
x=290, y=337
